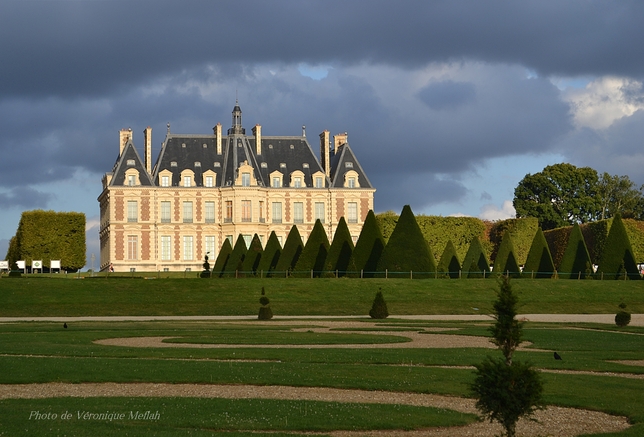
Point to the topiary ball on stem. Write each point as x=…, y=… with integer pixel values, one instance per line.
x=265, y=312
x=623, y=317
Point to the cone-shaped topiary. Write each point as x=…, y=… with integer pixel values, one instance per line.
x=575, y=262
x=617, y=260
x=539, y=263
x=506, y=260
x=15, y=271
x=449, y=265
x=340, y=251
x=290, y=254
x=623, y=317
x=379, y=307
x=253, y=256
x=234, y=264
x=222, y=259
x=475, y=263
x=368, y=248
x=314, y=253
x=270, y=256
x=265, y=311
x=407, y=251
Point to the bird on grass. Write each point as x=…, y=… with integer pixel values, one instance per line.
x=558, y=357
x=65, y=325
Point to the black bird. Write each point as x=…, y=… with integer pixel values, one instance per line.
x=65, y=326
x=558, y=357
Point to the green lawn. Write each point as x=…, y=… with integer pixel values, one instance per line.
x=43, y=296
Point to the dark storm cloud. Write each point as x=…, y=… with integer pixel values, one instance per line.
x=96, y=47
x=25, y=197
x=447, y=94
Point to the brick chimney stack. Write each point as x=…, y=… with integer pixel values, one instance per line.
x=217, y=131
x=125, y=135
x=257, y=131
x=147, y=139
x=324, y=152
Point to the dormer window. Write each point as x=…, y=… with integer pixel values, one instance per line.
x=165, y=181
x=245, y=179
x=282, y=165
x=131, y=180
x=131, y=162
x=197, y=164
x=187, y=181
x=173, y=163
x=187, y=178
x=217, y=164
x=305, y=165
x=348, y=164
x=351, y=179
x=263, y=165
x=276, y=182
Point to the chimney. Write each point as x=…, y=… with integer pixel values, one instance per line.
x=217, y=131
x=257, y=131
x=324, y=152
x=147, y=139
x=125, y=135
x=339, y=140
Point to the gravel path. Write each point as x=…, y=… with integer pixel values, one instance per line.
x=553, y=421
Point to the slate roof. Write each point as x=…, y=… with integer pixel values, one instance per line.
x=342, y=161
x=121, y=166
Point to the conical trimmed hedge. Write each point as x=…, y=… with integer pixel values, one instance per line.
x=379, y=307
x=539, y=263
x=340, y=251
x=407, y=251
x=449, y=265
x=290, y=254
x=222, y=258
x=368, y=249
x=237, y=256
x=475, y=263
x=314, y=253
x=576, y=262
x=617, y=260
x=270, y=257
x=253, y=256
x=506, y=260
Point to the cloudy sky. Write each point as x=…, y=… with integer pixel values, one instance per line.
x=448, y=104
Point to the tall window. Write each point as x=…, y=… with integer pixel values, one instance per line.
x=187, y=181
x=165, y=181
x=209, y=212
x=187, y=212
x=165, y=212
x=210, y=246
x=318, y=182
x=132, y=211
x=131, y=180
x=261, y=211
x=297, y=182
x=298, y=212
x=187, y=248
x=245, y=179
x=246, y=211
x=319, y=211
x=132, y=247
x=166, y=248
x=352, y=182
x=209, y=181
x=229, y=211
x=352, y=212
x=277, y=212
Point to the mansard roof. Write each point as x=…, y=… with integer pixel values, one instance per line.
x=342, y=161
x=129, y=159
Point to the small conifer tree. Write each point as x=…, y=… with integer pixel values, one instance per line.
x=291, y=252
x=368, y=248
x=539, y=261
x=379, y=307
x=340, y=251
x=15, y=271
x=270, y=257
x=314, y=253
x=623, y=317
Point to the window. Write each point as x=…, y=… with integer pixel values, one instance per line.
x=187, y=248
x=131, y=162
x=131, y=180
x=261, y=211
x=352, y=212
x=209, y=181
x=132, y=247
x=197, y=164
x=277, y=212
x=165, y=181
x=166, y=248
x=280, y=240
x=245, y=179
x=165, y=212
x=263, y=165
x=210, y=247
x=305, y=165
x=230, y=239
x=318, y=182
x=319, y=211
x=247, y=240
x=217, y=164
x=351, y=182
x=187, y=212
x=277, y=182
x=298, y=212
x=132, y=211
x=297, y=182
x=348, y=164
x=209, y=212
x=246, y=211
x=187, y=181
x=229, y=211
x=173, y=163
x=282, y=165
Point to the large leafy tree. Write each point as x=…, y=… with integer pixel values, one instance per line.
x=618, y=195
x=560, y=195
